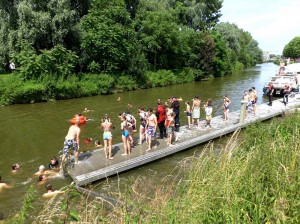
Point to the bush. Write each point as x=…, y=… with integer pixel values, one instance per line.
x=160, y=78
x=125, y=83
x=186, y=75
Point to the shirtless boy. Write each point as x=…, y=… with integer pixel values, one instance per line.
x=151, y=127
x=50, y=192
x=3, y=185
x=72, y=141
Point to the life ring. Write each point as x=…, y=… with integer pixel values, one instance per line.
x=82, y=120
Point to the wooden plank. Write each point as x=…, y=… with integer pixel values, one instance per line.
x=96, y=167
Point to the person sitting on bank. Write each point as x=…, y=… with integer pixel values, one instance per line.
x=3, y=185
x=50, y=192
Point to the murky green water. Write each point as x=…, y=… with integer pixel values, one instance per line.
x=32, y=134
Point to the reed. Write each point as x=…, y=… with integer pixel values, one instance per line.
x=254, y=178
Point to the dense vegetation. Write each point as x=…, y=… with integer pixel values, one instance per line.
x=253, y=179
x=292, y=49
x=57, y=43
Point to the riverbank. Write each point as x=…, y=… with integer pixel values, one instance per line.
x=254, y=178
x=15, y=90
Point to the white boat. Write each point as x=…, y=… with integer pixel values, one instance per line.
x=289, y=74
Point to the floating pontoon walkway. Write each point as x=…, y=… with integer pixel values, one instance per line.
x=94, y=166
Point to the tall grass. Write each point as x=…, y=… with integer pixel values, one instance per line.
x=254, y=178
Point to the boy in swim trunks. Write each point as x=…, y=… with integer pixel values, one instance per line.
x=188, y=113
x=170, y=123
x=151, y=128
x=72, y=141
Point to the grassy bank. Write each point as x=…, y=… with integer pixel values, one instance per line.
x=253, y=179
x=14, y=90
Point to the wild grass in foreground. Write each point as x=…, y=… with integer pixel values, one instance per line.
x=254, y=179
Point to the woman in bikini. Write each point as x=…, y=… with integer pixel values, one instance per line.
x=125, y=135
x=106, y=125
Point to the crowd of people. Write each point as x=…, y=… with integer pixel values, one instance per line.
x=161, y=122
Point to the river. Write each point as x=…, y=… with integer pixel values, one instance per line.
x=32, y=133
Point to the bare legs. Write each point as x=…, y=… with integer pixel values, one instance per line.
x=126, y=145
x=107, y=144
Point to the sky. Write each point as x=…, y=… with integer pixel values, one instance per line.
x=272, y=23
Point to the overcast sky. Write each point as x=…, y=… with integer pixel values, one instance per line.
x=272, y=23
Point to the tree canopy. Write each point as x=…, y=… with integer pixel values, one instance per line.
x=292, y=49
x=122, y=36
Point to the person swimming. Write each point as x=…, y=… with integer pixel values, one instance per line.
x=15, y=167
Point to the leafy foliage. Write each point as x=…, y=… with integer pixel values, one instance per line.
x=57, y=62
x=292, y=49
x=58, y=40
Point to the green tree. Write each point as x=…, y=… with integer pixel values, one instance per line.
x=163, y=41
x=107, y=35
x=222, y=65
x=57, y=62
x=292, y=49
x=242, y=47
x=198, y=14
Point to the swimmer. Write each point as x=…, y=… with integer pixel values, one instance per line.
x=88, y=141
x=86, y=110
x=50, y=192
x=3, y=185
x=42, y=178
x=42, y=171
x=15, y=167
x=98, y=144
x=53, y=163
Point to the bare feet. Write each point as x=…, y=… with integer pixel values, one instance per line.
x=124, y=154
x=111, y=158
x=148, y=150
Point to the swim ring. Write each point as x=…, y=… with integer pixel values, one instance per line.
x=82, y=120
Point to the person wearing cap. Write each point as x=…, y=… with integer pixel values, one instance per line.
x=175, y=106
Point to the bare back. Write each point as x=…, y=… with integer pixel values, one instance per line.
x=106, y=126
x=73, y=133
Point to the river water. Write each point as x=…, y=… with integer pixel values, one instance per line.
x=31, y=134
